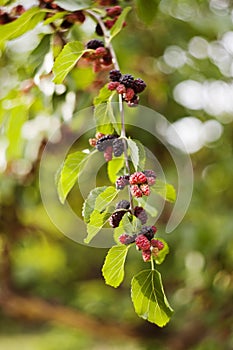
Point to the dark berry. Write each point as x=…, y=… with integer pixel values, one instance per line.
x=134, y=101
x=114, y=75
x=148, y=232
x=104, y=142
x=122, y=181
x=146, y=255
x=127, y=239
x=116, y=217
x=123, y=204
x=139, y=85
x=127, y=80
x=137, y=178
x=109, y=23
x=141, y=214
x=107, y=59
x=99, y=30
x=135, y=191
x=142, y=242
x=94, y=44
x=118, y=147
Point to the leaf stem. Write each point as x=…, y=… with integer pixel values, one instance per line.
x=152, y=263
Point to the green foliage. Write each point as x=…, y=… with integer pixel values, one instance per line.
x=74, y=5
x=97, y=210
x=147, y=10
x=150, y=209
x=149, y=299
x=114, y=166
x=134, y=152
x=69, y=172
x=67, y=59
x=162, y=253
x=102, y=114
x=142, y=155
x=55, y=17
x=131, y=224
x=37, y=55
x=21, y=25
x=113, y=268
x=165, y=190
x=119, y=23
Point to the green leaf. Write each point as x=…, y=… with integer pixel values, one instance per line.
x=165, y=190
x=131, y=224
x=134, y=152
x=114, y=166
x=105, y=198
x=69, y=173
x=58, y=15
x=74, y=5
x=18, y=115
x=67, y=59
x=149, y=299
x=119, y=23
x=103, y=96
x=113, y=268
x=147, y=10
x=102, y=118
x=89, y=204
x=37, y=55
x=27, y=21
x=161, y=255
x=142, y=155
x=97, y=221
x=150, y=209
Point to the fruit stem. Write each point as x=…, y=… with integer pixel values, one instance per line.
x=107, y=39
x=152, y=263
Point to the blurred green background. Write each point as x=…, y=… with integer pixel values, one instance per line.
x=52, y=295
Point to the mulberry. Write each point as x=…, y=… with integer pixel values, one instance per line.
x=157, y=244
x=118, y=147
x=115, y=75
x=146, y=255
x=116, y=217
x=94, y=44
x=129, y=94
x=104, y=142
x=148, y=232
x=127, y=80
x=122, y=181
x=123, y=204
x=145, y=189
x=141, y=214
x=137, y=178
x=150, y=175
x=121, y=89
x=135, y=191
x=114, y=11
x=127, y=239
x=108, y=153
x=113, y=85
x=139, y=85
x=142, y=242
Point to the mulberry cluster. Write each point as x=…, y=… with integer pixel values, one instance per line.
x=121, y=209
x=110, y=18
x=141, y=214
x=144, y=241
x=126, y=85
x=15, y=12
x=109, y=144
x=140, y=183
x=98, y=54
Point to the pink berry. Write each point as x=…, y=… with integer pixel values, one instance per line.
x=142, y=242
x=146, y=255
x=100, y=52
x=108, y=153
x=157, y=244
x=137, y=178
x=129, y=94
x=136, y=192
x=113, y=85
x=121, y=89
x=145, y=189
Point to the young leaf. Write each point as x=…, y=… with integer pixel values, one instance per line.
x=149, y=299
x=89, y=204
x=113, y=268
x=131, y=224
x=66, y=60
x=27, y=21
x=114, y=166
x=134, y=152
x=97, y=221
x=165, y=190
x=53, y=18
x=119, y=23
x=101, y=114
x=147, y=10
x=105, y=198
x=69, y=173
x=162, y=253
x=74, y=5
x=37, y=55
